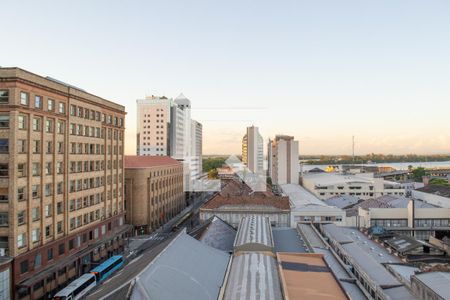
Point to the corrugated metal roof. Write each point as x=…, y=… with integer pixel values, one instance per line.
x=253, y=276
x=255, y=232
x=186, y=269
x=439, y=282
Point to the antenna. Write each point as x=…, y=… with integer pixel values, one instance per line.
x=353, y=149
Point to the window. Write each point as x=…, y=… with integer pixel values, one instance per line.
x=36, y=124
x=59, y=208
x=37, y=261
x=59, y=167
x=49, y=253
x=4, y=96
x=36, y=169
x=21, y=146
x=59, y=227
x=4, y=146
x=36, y=146
x=35, y=214
x=59, y=188
x=22, y=122
x=37, y=101
x=60, y=147
x=35, y=191
x=62, y=108
x=48, y=168
x=49, y=126
x=50, y=105
x=4, y=121
x=49, y=147
x=48, y=190
x=61, y=249
x=21, y=217
x=4, y=172
x=48, y=230
x=3, y=219
x=23, y=98
x=48, y=210
x=61, y=127
x=21, y=170
x=21, y=195
x=35, y=234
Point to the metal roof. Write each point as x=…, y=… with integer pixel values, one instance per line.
x=439, y=282
x=342, y=201
x=254, y=234
x=337, y=234
x=185, y=269
x=216, y=233
x=253, y=276
x=287, y=240
x=300, y=197
x=404, y=243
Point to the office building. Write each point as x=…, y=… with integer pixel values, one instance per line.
x=61, y=180
x=153, y=121
x=153, y=191
x=252, y=150
x=282, y=157
x=165, y=128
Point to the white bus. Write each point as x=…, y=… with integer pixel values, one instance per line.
x=77, y=288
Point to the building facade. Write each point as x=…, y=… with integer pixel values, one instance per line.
x=282, y=157
x=61, y=180
x=153, y=121
x=252, y=150
x=364, y=186
x=165, y=128
x=153, y=191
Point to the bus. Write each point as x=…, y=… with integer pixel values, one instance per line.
x=77, y=288
x=108, y=267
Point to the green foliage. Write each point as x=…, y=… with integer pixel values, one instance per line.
x=418, y=173
x=212, y=163
x=439, y=181
x=212, y=174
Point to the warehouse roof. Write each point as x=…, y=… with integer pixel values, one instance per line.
x=185, y=269
x=307, y=276
x=438, y=190
x=254, y=234
x=436, y=281
x=253, y=276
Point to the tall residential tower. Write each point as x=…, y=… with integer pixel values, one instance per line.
x=283, y=164
x=252, y=150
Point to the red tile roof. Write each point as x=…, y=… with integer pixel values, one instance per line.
x=138, y=162
x=238, y=193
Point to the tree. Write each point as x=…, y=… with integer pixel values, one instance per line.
x=418, y=173
x=212, y=174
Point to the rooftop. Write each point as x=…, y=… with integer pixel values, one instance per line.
x=254, y=234
x=185, y=269
x=286, y=239
x=343, y=201
x=142, y=162
x=307, y=276
x=438, y=190
x=216, y=233
x=253, y=275
x=235, y=193
x=327, y=179
x=437, y=281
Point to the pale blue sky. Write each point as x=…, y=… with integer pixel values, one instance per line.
x=319, y=70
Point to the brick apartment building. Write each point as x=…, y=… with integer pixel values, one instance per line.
x=61, y=181
x=153, y=191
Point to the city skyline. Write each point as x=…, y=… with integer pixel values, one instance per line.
x=378, y=71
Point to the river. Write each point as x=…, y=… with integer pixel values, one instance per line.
x=397, y=166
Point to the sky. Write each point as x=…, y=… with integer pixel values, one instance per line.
x=322, y=71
